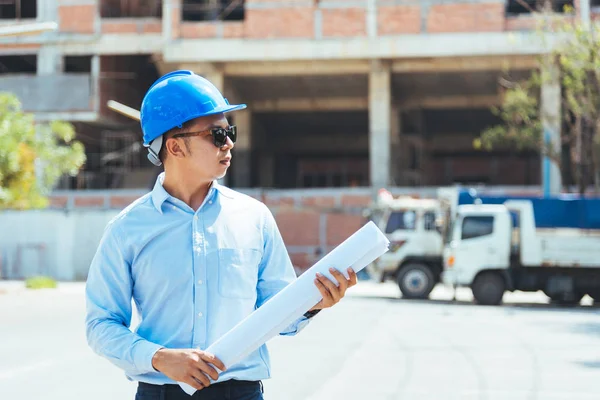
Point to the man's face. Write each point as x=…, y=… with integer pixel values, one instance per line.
x=199, y=155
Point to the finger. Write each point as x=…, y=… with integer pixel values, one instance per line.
x=193, y=382
x=353, y=277
x=201, y=377
x=341, y=279
x=208, y=370
x=211, y=358
x=327, y=298
x=332, y=288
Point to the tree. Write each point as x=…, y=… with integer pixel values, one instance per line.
x=575, y=61
x=33, y=156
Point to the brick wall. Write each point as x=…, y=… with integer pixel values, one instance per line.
x=281, y=22
x=342, y=22
x=484, y=17
x=396, y=20
x=266, y=19
x=130, y=25
x=311, y=222
x=77, y=18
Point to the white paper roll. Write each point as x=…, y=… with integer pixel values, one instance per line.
x=358, y=251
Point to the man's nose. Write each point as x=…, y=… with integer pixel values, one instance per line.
x=228, y=144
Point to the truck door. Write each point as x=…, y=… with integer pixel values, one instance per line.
x=474, y=250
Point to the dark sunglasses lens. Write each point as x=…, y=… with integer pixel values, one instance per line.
x=233, y=133
x=220, y=137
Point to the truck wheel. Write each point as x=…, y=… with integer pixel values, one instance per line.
x=488, y=288
x=595, y=294
x=415, y=281
x=566, y=298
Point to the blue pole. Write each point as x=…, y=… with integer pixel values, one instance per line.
x=546, y=172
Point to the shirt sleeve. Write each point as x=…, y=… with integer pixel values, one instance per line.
x=276, y=270
x=108, y=309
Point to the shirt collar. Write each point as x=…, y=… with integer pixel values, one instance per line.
x=160, y=195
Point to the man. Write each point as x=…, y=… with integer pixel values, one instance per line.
x=195, y=256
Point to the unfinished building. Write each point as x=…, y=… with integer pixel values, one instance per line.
x=340, y=93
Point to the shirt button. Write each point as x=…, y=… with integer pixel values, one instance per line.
x=200, y=314
x=210, y=202
x=195, y=218
x=200, y=282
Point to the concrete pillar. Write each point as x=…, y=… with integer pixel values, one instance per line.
x=380, y=111
x=49, y=60
x=242, y=152
x=47, y=10
x=371, y=16
x=584, y=6
x=551, y=122
x=95, y=76
x=171, y=18
x=167, y=21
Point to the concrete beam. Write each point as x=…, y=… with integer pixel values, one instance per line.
x=356, y=67
x=312, y=104
x=111, y=44
x=461, y=64
x=286, y=68
x=403, y=46
x=83, y=116
x=362, y=103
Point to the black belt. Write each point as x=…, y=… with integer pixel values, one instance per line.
x=231, y=382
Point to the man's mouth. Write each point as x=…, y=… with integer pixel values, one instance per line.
x=226, y=161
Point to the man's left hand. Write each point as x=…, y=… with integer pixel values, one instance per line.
x=331, y=292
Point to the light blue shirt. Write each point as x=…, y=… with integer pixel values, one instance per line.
x=192, y=275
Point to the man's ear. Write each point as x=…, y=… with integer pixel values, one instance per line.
x=174, y=148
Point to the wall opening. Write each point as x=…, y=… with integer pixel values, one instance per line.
x=115, y=157
x=212, y=10
x=18, y=9
x=81, y=64
x=517, y=7
x=131, y=9
x=24, y=64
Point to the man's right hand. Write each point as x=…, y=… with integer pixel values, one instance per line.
x=190, y=366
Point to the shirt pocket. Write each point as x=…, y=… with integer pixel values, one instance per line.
x=238, y=273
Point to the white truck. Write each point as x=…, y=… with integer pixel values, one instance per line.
x=552, y=245
x=414, y=260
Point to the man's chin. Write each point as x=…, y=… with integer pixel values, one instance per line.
x=221, y=175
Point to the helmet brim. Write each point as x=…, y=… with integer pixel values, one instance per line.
x=228, y=108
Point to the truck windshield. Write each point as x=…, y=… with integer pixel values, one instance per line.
x=401, y=220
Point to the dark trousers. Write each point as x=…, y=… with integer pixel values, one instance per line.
x=228, y=390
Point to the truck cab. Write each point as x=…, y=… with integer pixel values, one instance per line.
x=516, y=246
x=414, y=259
x=479, y=241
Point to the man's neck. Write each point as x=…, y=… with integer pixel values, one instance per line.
x=187, y=189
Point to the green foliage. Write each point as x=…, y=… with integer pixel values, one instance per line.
x=574, y=62
x=522, y=126
x=40, y=282
x=29, y=151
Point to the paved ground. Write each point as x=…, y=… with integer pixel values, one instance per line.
x=372, y=346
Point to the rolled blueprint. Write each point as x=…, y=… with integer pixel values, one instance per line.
x=358, y=251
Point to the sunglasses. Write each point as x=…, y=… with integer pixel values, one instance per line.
x=219, y=135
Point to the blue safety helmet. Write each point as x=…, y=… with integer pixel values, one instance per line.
x=174, y=99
